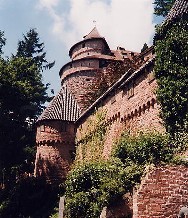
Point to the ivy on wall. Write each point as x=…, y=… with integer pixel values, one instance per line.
x=92, y=135
x=94, y=184
x=171, y=49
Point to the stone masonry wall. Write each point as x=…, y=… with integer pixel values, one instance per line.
x=94, y=46
x=78, y=85
x=80, y=65
x=132, y=112
x=55, y=148
x=162, y=193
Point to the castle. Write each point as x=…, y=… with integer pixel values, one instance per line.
x=130, y=104
x=58, y=124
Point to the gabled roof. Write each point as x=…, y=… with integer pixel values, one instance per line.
x=62, y=107
x=93, y=34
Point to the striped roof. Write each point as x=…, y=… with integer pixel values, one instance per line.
x=179, y=8
x=62, y=107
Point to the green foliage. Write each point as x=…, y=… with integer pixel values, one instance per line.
x=22, y=94
x=2, y=41
x=21, y=88
x=30, y=47
x=92, y=186
x=92, y=137
x=144, y=149
x=171, y=72
x=145, y=46
x=162, y=7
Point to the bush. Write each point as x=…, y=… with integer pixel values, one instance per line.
x=92, y=186
x=144, y=149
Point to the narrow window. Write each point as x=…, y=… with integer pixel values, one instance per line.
x=113, y=98
x=130, y=90
x=83, y=45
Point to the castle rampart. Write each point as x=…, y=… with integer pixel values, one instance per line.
x=130, y=105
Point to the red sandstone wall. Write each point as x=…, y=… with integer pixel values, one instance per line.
x=162, y=193
x=88, y=64
x=54, y=150
x=140, y=112
x=78, y=85
x=92, y=47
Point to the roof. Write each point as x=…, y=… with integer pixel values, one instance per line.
x=62, y=107
x=93, y=34
x=179, y=8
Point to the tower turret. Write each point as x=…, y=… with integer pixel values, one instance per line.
x=55, y=137
x=88, y=57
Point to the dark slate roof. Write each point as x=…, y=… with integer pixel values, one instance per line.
x=93, y=34
x=62, y=107
x=179, y=8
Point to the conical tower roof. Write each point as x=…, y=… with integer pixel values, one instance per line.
x=179, y=8
x=62, y=107
x=93, y=34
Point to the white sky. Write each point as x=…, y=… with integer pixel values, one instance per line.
x=61, y=23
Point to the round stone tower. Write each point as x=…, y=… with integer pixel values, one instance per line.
x=88, y=57
x=55, y=137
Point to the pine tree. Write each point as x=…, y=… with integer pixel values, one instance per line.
x=145, y=46
x=162, y=7
x=22, y=96
x=31, y=47
x=2, y=41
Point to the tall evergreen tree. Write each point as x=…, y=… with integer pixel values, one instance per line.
x=2, y=41
x=162, y=7
x=145, y=46
x=31, y=47
x=22, y=95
